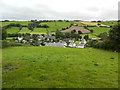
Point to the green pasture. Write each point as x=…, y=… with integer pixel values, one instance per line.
x=53, y=26
x=15, y=22
x=98, y=30
x=58, y=67
x=12, y=30
x=110, y=23
x=25, y=30
x=39, y=31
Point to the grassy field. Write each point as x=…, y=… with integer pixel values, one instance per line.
x=98, y=30
x=1, y=69
x=110, y=23
x=53, y=26
x=25, y=30
x=12, y=30
x=57, y=25
x=57, y=67
x=39, y=31
x=10, y=38
x=16, y=22
x=92, y=23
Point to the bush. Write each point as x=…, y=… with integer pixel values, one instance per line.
x=107, y=45
x=91, y=43
x=5, y=44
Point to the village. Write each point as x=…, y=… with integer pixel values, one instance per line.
x=49, y=41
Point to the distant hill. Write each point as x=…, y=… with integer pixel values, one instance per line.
x=77, y=29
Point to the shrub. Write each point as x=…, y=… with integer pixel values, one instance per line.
x=5, y=44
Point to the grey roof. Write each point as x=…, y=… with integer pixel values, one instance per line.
x=55, y=44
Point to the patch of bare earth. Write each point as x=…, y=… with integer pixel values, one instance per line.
x=77, y=29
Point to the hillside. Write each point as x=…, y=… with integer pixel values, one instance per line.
x=55, y=67
x=77, y=29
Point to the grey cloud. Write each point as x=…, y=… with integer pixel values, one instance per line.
x=92, y=9
x=42, y=11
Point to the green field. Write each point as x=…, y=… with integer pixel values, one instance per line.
x=25, y=30
x=12, y=30
x=110, y=23
x=53, y=26
x=39, y=31
x=57, y=67
x=16, y=22
x=98, y=30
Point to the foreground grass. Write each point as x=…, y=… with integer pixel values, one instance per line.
x=0, y=68
x=55, y=67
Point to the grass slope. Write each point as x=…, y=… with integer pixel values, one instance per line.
x=92, y=23
x=25, y=30
x=57, y=67
x=53, y=26
x=15, y=22
x=39, y=31
x=12, y=30
x=110, y=23
x=98, y=30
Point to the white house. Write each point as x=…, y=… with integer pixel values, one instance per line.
x=24, y=41
x=83, y=41
x=20, y=39
x=71, y=41
x=81, y=44
x=30, y=40
x=72, y=44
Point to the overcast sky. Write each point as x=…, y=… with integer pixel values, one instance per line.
x=59, y=9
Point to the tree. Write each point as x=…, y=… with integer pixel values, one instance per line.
x=58, y=34
x=4, y=34
x=27, y=37
x=20, y=27
x=91, y=31
x=114, y=33
x=67, y=41
x=86, y=37
x=79, y=32
x=99, y=24
x=103, y=36
x=113, y=40
x=67, y=35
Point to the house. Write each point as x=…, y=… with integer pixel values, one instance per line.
x=20, y=39
x=81, y=44
x=58, y=44
x=72, y=44
x=83, y=41
x=71, y=41
x=16, y=40
x=95, y=38
x=24, y=41
x=30, y=40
